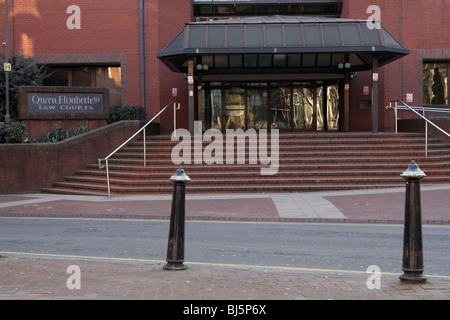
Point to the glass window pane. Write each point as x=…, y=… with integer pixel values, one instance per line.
x=279, y=60
x=265, y=61
x=324, y=60
x=332, y=35
x=216, y=37
x=309, y=60
x=313, y=35
x=303, y=101
x=435, y=84
x=255, y=36
x=197, y=37
x=208, y=61
x=212, y=106
x=250, y=61
x=236, y=61
x=280, y=99
x=221, y=61
x=81, y=77
x=110, y=77
x=235, y=107
x=294, y=60
x=59, y=77
x=257, y=106
x=274, y=36
x=351, y=35
x=371, y=37
x=293, y=35
x=235, y=36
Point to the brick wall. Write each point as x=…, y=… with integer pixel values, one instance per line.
x=109, y=34
x=422, y=27
x=31, y=167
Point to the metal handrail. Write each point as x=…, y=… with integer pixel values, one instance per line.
x=427, y=121
x=176, y=106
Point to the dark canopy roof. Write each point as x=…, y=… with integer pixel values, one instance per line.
x=310, y=42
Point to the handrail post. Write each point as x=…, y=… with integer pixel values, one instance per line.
x=174, y=119
x=107, y=178
x=426, y=135
x=396, y=116
x=145, y=149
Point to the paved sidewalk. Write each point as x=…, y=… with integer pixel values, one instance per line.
x=358, y=206
x=31, y=277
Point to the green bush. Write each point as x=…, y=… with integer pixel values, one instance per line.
x=126, y=113
x=133, y=113
x=12, y=133
x=59, y=134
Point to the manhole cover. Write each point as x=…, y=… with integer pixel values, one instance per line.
x=85, y=230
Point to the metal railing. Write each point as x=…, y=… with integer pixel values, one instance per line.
x=416, y=110
x=176, y=106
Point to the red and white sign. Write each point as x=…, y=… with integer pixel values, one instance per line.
x=174, y=92
x=375, y=76
x=190, y=80
x=366, y=90
x=409, y=97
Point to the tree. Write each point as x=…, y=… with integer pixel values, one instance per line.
x=24, y=72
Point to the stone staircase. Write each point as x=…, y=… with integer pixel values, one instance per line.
x=307, y=162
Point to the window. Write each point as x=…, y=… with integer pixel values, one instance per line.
x=435, y=83
x=92, y=76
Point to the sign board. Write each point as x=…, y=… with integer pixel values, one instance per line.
x=190, y=80
x=409, y=97
x=174, y=92
x=7, y=67
x=366, y=90
x=375, y=76
x=68, y=103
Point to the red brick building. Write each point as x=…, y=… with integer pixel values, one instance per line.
x=115, y=44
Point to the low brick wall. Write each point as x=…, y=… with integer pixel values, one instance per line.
x=418, y=125
x=28, y=168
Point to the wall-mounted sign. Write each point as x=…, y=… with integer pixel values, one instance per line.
x=366, y=90
x=65, y=102
x=174, y=92
x=409, y=97
x=375, y=76
x=7, y=67
x=190, y=80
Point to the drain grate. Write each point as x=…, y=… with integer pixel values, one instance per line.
x=85, y=230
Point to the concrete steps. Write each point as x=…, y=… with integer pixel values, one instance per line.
x=307, y=162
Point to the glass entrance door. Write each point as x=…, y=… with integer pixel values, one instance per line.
x=280, y=105
x=257, y=106
x=303, y=106
x=235, y=106
x=306, y=105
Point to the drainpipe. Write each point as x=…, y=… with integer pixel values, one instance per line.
x=142, y=54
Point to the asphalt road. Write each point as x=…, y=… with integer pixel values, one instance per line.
x=335, y=247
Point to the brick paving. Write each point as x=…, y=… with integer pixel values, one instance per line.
x=43, y=279
x=31, y=278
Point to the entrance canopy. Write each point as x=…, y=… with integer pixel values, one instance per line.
x=299, y=44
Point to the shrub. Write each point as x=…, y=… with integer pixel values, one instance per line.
x=12, y=133
x=126, y=113
x=59, y=134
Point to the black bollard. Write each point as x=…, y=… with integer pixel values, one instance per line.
x=175, y=247
x=412, y=238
